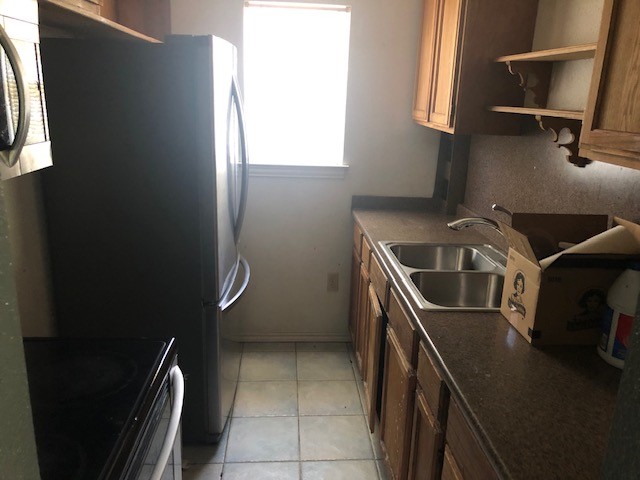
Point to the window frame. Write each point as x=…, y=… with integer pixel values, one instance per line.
x=302, y=170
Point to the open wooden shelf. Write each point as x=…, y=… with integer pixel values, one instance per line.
x=57, y=15
x=574, y=52
x=533, y=70
x=543, y=112
x=555, y=121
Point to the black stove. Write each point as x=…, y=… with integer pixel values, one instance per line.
x=91, y=401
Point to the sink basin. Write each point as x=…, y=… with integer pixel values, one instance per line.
x=476, y=290
x=449, y=277
x=441, y=257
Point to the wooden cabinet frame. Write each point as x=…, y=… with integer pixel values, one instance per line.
x=611, y=127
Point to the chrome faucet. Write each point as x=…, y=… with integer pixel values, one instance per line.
x=468, y=222
x=499, y=208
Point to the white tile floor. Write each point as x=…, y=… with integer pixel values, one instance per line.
x=297, y=416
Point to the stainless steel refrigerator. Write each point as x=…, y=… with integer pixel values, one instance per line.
x=145, y=203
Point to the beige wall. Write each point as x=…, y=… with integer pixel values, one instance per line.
x=299, y=229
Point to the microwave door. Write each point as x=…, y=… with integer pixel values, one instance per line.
x=24, y=131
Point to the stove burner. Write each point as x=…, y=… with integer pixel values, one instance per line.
x=61, y=458
x=73, y=380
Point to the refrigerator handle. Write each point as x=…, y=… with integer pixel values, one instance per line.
x=237, y=100
x=227, y=303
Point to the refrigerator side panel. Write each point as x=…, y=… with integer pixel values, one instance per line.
x=122, y=203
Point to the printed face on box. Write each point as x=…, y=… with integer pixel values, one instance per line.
x=591, y=307
x=516, y=301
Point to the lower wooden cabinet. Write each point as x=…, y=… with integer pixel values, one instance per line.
x=397, y=407
x=423, y=434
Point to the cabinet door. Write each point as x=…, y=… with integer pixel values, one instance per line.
x=443, y=86
x=426, y=442
x=611, y=130
x=470, y=459
x=425, y=61
x=397, y=407
x=450, y=470
x=353, y=300
x=374, y=338
x=362, y=329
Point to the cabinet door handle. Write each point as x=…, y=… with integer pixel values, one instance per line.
x=10, y=157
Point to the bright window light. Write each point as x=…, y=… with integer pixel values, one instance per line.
x=295, y=81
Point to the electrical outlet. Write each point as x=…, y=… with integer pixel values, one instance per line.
x=332, y=282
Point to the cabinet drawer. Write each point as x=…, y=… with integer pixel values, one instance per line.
x=357, y=239
x=403, y=327
x=366, y=253
x=469, y=456
x=435, y=390
x=379, y=281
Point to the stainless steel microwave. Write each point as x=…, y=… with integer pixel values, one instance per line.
x=25, y=144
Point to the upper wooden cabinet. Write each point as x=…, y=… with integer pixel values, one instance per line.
x=147, y=20
x=611, y=128
x=457, y=78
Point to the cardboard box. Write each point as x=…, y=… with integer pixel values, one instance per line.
x=559, y=299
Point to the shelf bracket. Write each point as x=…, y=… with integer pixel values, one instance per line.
x=534, y=76
x=555, y=125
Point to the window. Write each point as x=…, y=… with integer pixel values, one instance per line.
x=295, y=79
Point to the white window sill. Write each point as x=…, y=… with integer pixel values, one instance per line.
x=298, y=171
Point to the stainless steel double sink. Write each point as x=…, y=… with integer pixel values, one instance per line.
x=449, y=277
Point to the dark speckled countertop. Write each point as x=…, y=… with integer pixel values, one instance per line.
x=540, y=413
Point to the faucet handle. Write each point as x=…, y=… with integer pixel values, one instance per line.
x=499, y=208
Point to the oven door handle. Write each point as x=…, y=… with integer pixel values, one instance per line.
x=10, y=157
x=177, y=389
